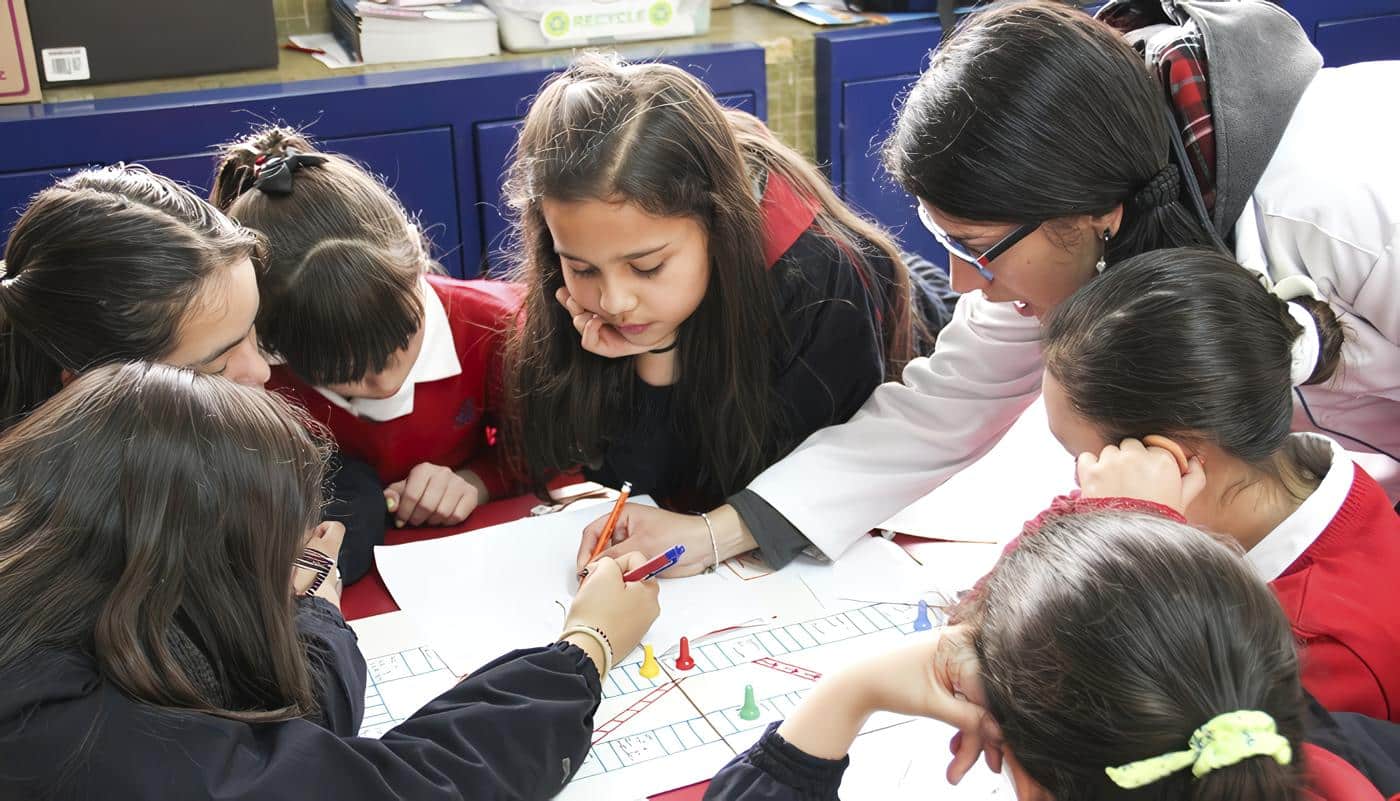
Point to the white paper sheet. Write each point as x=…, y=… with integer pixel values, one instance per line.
x=991, y=499
x=480, y=594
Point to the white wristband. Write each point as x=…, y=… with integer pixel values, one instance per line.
x=603, y=645
x=714, y=545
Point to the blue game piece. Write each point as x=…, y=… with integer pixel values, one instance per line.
x=921, y=623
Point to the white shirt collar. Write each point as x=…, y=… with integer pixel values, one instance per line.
x=437, y=359
x=1296, y=534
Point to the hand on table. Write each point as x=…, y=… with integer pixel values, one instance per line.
x=433, y=495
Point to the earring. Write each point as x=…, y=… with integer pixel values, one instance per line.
x=1103, y=254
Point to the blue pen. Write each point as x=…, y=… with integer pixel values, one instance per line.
x=653, y=567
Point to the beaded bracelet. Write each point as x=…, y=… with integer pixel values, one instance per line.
x=318, y=563
x=597, y=635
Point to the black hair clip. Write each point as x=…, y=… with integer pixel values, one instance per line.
x=274, y=176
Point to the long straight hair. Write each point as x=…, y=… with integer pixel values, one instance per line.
x=143, y=498
x=103, y=267
x=653, y=135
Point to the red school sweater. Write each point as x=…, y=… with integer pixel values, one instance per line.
x=1343, y=599
x=453, y=419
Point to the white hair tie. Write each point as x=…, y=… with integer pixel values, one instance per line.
x=1308, y=346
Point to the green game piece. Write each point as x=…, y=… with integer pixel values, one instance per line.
x=749, y=711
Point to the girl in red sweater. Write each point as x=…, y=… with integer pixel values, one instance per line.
x=1188, y=345
x=399, y=362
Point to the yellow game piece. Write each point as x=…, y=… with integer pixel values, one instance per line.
x=650, y=669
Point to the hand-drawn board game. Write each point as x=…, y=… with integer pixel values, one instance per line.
x=682, y=726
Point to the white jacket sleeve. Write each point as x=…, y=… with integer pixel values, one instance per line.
x=909, y=437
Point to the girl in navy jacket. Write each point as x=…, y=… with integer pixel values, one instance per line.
x=160, y=637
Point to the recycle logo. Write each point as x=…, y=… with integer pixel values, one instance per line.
x=556, y=23
x=660, y=12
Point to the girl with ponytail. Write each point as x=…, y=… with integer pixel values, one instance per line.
x=1188, y=691
x=399, y=361
x=117, y=264
x=1171, y=377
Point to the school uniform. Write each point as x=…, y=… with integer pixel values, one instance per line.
x=517, y=728
x=1303, y=182
x=1333, y=564
x=830, y=356
x=445, y=412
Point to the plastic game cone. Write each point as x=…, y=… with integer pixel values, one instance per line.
x=749, y=711
x=683, y=660
x=649, y=669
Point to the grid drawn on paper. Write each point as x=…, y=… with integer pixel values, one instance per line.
x=382, y=671
x=724, y=653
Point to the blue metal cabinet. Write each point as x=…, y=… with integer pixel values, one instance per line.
x=861, y=74
x=1348, y=31
x=428, y=132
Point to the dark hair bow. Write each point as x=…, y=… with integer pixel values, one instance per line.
x=274, y=176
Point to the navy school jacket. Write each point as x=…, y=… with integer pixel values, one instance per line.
x=518, y=728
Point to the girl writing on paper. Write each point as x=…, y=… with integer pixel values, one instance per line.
x=160, y=639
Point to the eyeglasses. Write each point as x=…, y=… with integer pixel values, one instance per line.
x=959, y=250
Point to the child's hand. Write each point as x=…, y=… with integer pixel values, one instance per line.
x=1131, y=470
x=598, y=337
x=432, y=495
x=325, y=538
x=934, y=675
x=651, y=531
x=623, y=611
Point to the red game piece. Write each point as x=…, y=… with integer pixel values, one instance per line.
x=683, y=661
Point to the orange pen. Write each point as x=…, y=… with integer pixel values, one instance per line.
x=605, y=538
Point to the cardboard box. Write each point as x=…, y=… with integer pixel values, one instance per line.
x=19, y=77
x=102, y=41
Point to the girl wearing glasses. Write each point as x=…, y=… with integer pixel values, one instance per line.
x=1040, y=152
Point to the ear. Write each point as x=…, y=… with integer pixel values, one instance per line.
x=67, y=377
x=1027, y=788
x=1108, y=221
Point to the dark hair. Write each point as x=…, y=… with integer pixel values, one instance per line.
x=1033, y=111
x=143, y=498
x=1185, y=343
x=1109, y=637
x=103, y=267
x=653, y=135
x=340, y=294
